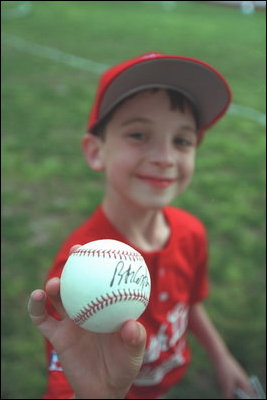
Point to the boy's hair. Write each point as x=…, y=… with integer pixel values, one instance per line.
x=202, y=85
x=177, y=101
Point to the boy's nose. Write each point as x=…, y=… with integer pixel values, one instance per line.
x=162, y=156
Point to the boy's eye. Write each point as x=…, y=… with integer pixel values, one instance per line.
x=137, y=135
x=183, y=142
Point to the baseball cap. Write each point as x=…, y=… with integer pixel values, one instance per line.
x=202, y=84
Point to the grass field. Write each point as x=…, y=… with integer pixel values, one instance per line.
x=48, y=190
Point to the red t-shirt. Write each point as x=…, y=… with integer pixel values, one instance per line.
x=178, y=280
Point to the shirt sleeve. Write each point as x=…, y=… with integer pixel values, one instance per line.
x=200, y=283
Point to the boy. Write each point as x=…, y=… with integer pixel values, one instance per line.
x=149, y=116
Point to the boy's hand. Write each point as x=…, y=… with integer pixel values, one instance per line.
x=97, y=365
x=231, y=376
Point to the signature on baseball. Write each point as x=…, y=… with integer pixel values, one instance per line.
x=126, y=274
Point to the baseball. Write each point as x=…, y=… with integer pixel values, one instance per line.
x=103, y=284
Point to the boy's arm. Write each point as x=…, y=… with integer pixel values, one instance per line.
x=230, y=373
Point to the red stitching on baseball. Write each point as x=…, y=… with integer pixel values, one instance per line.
x=109, y=253
x=104, y=301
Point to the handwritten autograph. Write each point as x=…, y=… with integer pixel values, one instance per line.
x=124, y=274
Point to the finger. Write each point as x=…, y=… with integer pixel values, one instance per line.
x=247, y=389
x=240, y=394
x=52, y=288
x=37, y=312
x=36, y=306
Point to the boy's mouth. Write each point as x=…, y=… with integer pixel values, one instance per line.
x=156, y=181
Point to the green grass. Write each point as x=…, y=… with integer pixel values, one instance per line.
x=48, y=190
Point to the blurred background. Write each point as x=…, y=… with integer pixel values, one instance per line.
x=52, y=55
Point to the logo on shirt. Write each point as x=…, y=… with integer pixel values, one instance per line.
x=54, y=364
x=169, y=336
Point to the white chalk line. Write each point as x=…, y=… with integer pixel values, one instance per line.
x=98, y=68
x=249, y=113
x=12, y=11
x=53, y=54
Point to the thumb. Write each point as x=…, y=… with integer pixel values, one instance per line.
x=133, y=335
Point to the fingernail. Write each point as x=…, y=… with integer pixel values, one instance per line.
x=37, y=295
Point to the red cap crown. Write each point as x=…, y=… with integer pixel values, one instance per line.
x=198, y=81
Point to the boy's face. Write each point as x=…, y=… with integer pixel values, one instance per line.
x=148, y=152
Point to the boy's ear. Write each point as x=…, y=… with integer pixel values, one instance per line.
x=92, y=149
